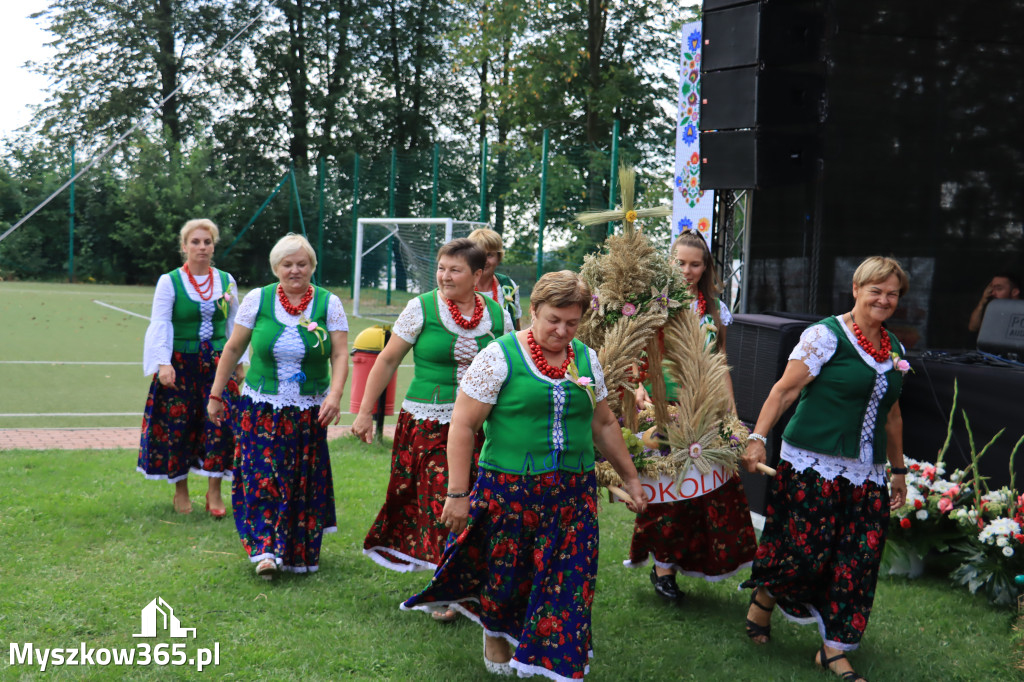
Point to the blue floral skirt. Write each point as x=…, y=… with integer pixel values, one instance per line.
x=282, y=493
x=177, y=436
x=821, y=549
x=525, y=568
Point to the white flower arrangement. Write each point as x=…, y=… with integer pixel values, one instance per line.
x=999, y=530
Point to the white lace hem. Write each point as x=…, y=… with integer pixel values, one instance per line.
x=439, y=412
x=830, y=468
x=280, y=400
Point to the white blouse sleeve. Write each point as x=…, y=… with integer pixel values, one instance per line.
x=600, y=388
x=485, y=376
x=246, y=315
x=159, y=342
x=410, y=322
x=724, y=314
x=336, y=319
x=507, y=321
x=229, y=324
x=817, y=345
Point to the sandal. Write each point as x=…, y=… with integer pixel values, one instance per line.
x=826, y=663
x=266, y=569
x=756, y=629
x=495, y=668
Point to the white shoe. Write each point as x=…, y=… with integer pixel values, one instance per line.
x=503, y=669
x=266, y=569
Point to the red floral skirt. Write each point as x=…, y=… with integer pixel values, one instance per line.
x=708, y=537
x=177, y=436
x=821, y=549
x=408, y=534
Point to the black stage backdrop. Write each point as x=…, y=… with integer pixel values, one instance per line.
x=922, y=159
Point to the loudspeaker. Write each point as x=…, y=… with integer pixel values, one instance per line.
x=766, y=33
x=758, y=348
x=1002, y=328
x=752, y=158
x=749, y=96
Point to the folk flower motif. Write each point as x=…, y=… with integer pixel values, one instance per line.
x=662, y=299
x=628, y=310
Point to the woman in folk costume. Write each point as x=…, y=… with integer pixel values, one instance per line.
x=710, y=536
x=496, y=286
x=827, y=510
x=283, y=493
x=526, y=536
x=193, y=313
x=445, y=329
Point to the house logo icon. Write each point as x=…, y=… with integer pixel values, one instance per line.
x=158, y=614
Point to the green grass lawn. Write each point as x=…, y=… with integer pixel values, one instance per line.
x=87, y=542
x=47, y=324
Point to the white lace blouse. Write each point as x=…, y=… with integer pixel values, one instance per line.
x=816, y=347
x=408, y=327
x=288, y=350
x=159, y=343
x=484, y=378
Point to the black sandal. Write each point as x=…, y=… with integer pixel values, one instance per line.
x=826, y=663
x=756, y=629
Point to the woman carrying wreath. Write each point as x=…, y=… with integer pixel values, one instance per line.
x=283, y=493
x=828, y=505
x=494, y=285
x=445, y=329
x=193, y=313
x=526, y=536
x=710, y=536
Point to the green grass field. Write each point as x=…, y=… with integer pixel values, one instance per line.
x=88, y=543
x=64, y=353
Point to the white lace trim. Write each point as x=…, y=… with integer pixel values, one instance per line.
x=724, y=313
x=830, y=468
x=489, y=370
x=410, y=322
x=816, y=346
x=289, y=351
x=439, y=412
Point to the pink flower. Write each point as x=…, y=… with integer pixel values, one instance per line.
x=583, y=381
x=629, y=310
x=696, y=450
x=903, y=366
x=312, y=326
x=945, y=504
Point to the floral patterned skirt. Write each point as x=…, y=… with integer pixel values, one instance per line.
x=525, y=568
x=408, y=534
x=177, y=437
x=820, y=551
x=708, y=537
x=282, y=494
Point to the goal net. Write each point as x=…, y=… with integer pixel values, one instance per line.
x=396, y=259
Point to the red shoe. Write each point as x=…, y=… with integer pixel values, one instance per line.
x=215, y=513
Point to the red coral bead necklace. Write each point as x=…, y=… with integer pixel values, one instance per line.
x=494, y=288
x=702, y=304
x=287, y=305
x=537, y=353
x=206, y=291
x=472, y=322
x=880, y=354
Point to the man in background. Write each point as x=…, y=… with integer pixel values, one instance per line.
x=1003, y=285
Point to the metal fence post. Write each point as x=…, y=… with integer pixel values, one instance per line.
x=543, y=201
x=613, y=184
x=71, y=221
x=355, y=220
x=483, y=182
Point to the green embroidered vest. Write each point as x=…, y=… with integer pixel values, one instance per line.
x=434, y=377
x=506, y=287
x=315, y=375
x=831, y=411
x=537, y=427
x=186, y=316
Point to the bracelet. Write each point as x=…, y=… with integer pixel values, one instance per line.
x=217, y=398
x=457, y=495
x=758, y=436
x=899, y=471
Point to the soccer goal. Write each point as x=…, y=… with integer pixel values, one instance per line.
x=396, y=259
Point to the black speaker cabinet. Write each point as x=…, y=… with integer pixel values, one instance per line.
x=751, y=96
x=770, y=32
x=754, y=158
x=1002, y=328
x=758, y=347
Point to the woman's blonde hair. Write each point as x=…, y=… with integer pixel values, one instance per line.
x=289, y=244
x=489, y=240
x=876, y=269
x=561, y=290
x=710, y=284
x=198, y=224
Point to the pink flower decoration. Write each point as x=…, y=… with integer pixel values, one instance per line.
x=696, y=450
x=584, y=381
x=312, y=326
x=903, y=366
x=945, y=504
x=629, y=310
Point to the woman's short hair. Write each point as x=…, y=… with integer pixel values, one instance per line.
x=560, y=290
x=877, y=269
x=199, y=224
x=467, y=250
x=489, y=240
x=289, y=244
